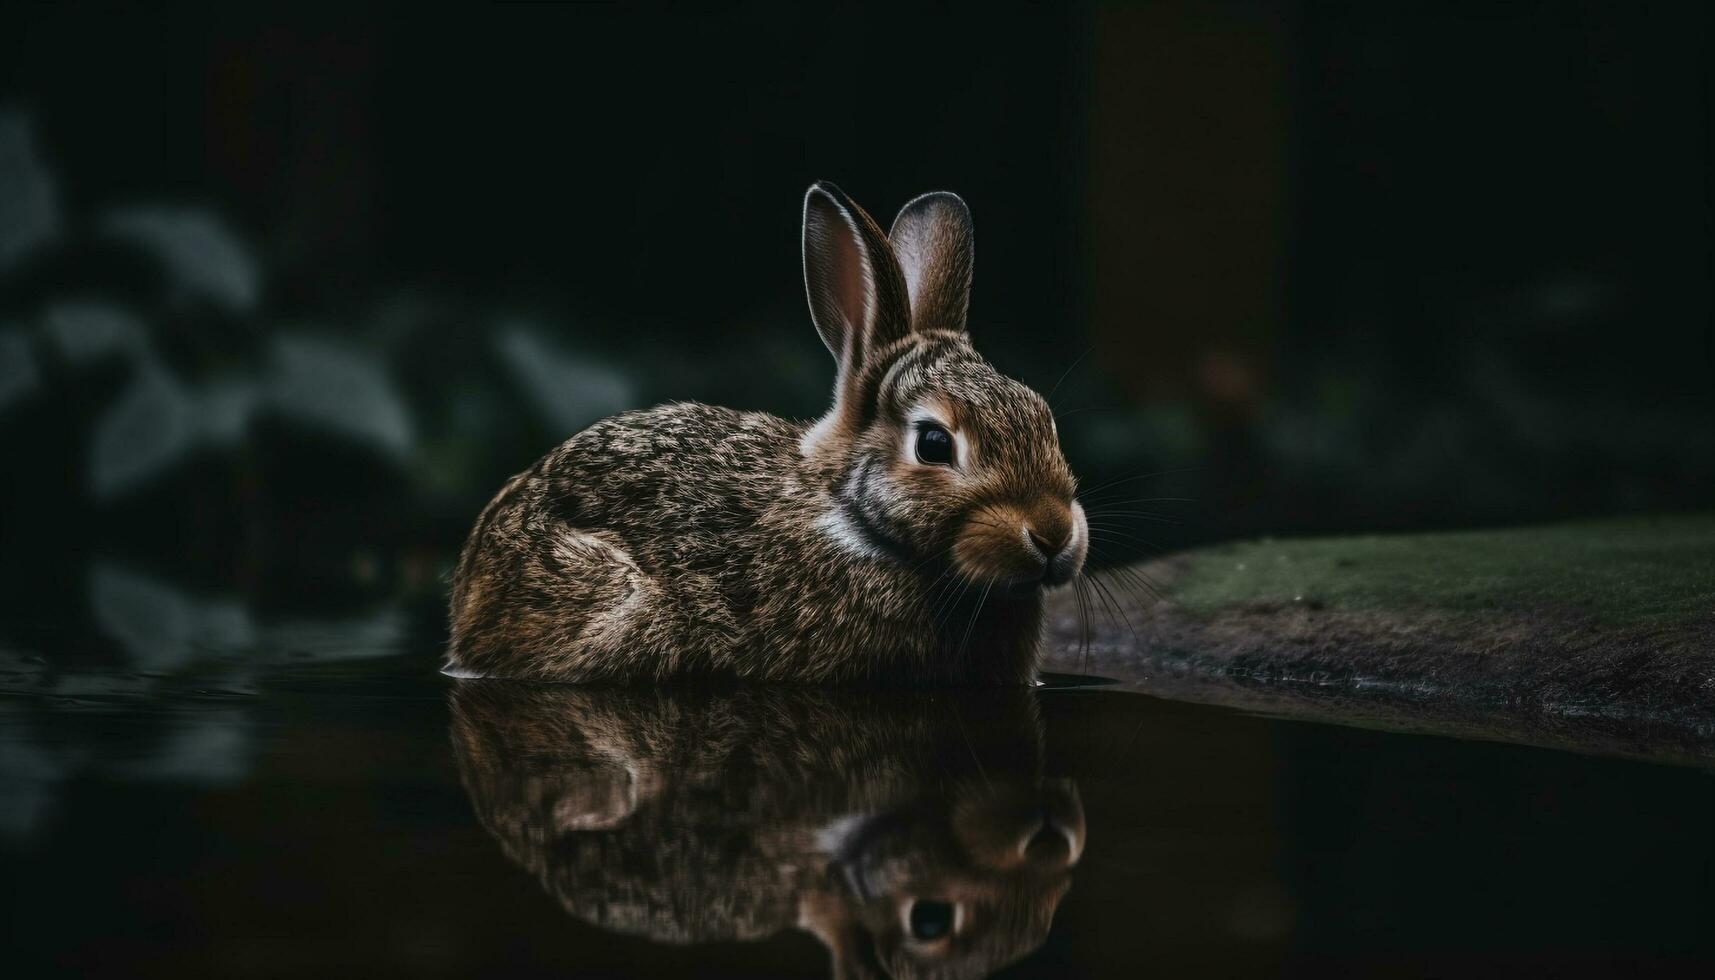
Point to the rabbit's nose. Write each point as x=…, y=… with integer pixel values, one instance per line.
x=1053, y=844
x=1050, y=528
x=1048, y=545
x=1049, y=845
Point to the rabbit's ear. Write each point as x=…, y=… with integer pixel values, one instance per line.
x=933, y=240
x=857, y=294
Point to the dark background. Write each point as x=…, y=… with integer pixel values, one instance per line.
x=284, y=297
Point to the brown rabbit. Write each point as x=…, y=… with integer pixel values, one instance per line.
x=915, y=835
x=906, y=536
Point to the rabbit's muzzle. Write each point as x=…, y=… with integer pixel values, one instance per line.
x=1011, y=828
x=1020, y=549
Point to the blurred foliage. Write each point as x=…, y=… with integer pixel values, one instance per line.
x=142, y=378
x=280, y=319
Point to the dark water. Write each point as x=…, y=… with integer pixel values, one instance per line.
x=339, y=808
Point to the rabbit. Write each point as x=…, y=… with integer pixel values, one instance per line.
x=905, y=537
x=911, y=843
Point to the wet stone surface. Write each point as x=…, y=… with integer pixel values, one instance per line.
x=1594, y=635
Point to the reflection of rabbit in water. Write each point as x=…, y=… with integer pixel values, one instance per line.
x=914, y=835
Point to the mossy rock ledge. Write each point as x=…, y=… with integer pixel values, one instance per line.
x=1596, y=635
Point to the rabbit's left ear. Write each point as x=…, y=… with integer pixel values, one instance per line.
x=932, y=238
x=856, y=293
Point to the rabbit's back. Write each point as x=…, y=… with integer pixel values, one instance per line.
x=627, y=550
x=672, y=478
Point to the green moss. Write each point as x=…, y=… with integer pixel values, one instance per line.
x=1634, y=571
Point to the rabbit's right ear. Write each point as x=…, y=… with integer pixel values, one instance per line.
x=857, y=294
x=932, y=238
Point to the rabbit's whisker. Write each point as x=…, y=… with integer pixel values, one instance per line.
x=942, y=604
x=1081, y=593
x=959, y=717
x=942, y=553
x=953, y=609
x=946, y=608
x=1136, y=576
x=1109, y=533
x=975, y=615
x=1143, y=582
x=1146, y=515
x=1059, y=416
x=1068, y=372
x=1135, y=579
x=1115, y=608
x=1133, y=478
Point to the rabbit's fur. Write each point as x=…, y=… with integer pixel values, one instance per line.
x=690, y=539
x=686, y=815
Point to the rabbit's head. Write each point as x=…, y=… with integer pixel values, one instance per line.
x=954, y=892
x=930, y=450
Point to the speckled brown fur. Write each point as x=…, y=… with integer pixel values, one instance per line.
x=690, y=539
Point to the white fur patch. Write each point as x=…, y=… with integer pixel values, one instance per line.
x=833, y=836
x=839, y=529
x=461, y=673
x=1080, y=528
x=816, y=434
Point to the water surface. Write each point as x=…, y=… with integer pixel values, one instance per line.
x=333, y=803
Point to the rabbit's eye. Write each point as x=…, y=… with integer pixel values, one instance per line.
x=930, y=921
x=934, y=445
